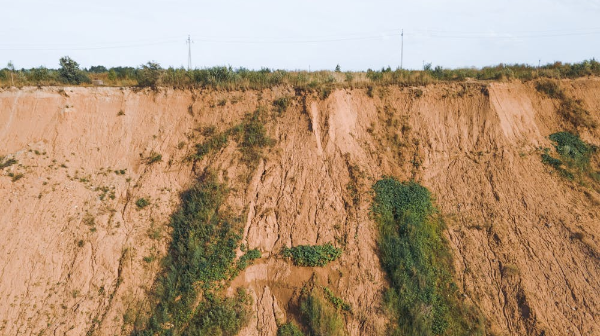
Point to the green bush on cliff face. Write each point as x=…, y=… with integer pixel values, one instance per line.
x=312, y=256
x=320, y=317
x=422, y=298
x=289, y=329
x=202, y=257
x=575, y=157
x=250, y=135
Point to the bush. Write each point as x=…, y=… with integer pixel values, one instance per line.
x=289, y=329
x=551, y=89
x=153, y=158
x=320, y=318
x=571, y=147
x=7, y=163
x=422, y=298
x=201, y=259
x=149, y=75
x=576, y=156
x=69, y=72
x=142, y=203
x=312, y=256
x=249, y=256
x=281, y=104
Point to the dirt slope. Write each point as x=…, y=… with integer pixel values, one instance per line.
x=79, y=256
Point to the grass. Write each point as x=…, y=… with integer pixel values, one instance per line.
x=200, y=262
x=228, y=78
x=312, y=255
x=7, y=163
x=422, y=298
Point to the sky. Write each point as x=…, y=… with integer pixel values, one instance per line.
x=299, y=35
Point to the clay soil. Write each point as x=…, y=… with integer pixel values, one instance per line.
x=77, y=255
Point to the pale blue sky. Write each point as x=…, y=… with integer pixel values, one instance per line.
x=293, y=34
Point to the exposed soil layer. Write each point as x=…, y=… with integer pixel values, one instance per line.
x=78, y=256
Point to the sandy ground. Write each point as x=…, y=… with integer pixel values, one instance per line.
x=78, y=256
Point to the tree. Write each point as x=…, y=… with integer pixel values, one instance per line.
x=11, y=68
x=338, y=68
x=149, y=74
x=98, y=69
x=70, y=73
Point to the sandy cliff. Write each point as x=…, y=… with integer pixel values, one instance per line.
x=78, y=256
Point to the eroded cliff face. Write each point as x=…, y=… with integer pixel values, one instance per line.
x=79, y=256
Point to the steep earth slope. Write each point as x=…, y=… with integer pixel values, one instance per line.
x=80, y=251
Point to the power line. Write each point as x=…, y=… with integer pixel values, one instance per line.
x=438, y=34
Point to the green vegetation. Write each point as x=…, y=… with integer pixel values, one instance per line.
x=142, y=203
x=7, y=163
x=68, y=73
x=153, y=158
x=320, y=317
x=16, y=177
x=250, y=136
x=422, y=298
x=575, y=157
x=149, y=75
x=152, y=75
x=281, y=104
x=312, y=256
x=570, y=109
x=289, y=329
x=337, y=302
x=200, y=262
x=249, y=256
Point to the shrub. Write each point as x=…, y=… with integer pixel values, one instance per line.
x=551, y=89
x=571, y=147
x=312, y=256
x=281, y=104
x=575, y=154
x=248, y=256
x=153, y=158
x=16, y=177
x=289, y=329
x=337, y=302
x=422, y=298
x=149, y=75
x=250, y=135
x=320, y=318
x=7, y=163
x=70, y=73
x=201, y=259
x=142, y=203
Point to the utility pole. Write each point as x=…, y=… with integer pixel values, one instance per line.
x=402, y=51
x=189, y=42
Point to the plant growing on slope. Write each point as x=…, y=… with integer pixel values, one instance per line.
x=422, y=298
x=319, y=316
x=201, y=260
x=312, y=256
x=575, y=157
x=289, y=329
